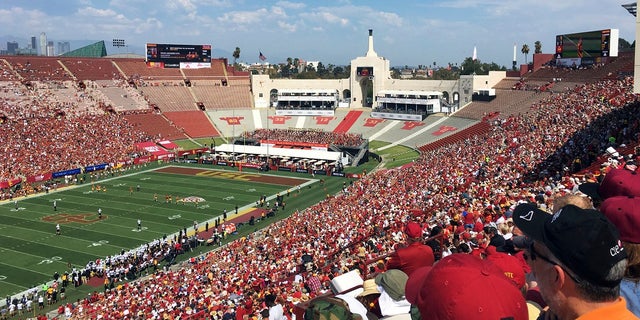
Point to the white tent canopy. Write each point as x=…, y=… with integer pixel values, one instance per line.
x=280, y=152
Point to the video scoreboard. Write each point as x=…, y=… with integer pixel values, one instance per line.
x=178, y=56
x=587, y=47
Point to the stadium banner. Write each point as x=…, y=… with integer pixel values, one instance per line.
x=328, y=113
x=207, y=161
x=222, y=163
x=174, y=55
x=66, y=173
x=39, y=178
x=302, y=171
x=151, y=148
x=10, y=183
x=168, y=144
x=145, y=159
x=194, y=65
x=251, y=165
x=338, y=174
x=308, y=145
x=397, y=116
x=320, y=172
x=96, y=167
x=284, y=169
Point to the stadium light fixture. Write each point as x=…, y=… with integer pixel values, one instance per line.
x=118, y=43
x=631, y=7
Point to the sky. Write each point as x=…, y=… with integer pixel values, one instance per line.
x=406, y=32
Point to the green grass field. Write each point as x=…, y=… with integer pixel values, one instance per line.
x=32, y=251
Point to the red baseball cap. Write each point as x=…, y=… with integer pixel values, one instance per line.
x=413, y=230
x=624, y=213
x=510, y=265
x=617, y=182
x=461, y=286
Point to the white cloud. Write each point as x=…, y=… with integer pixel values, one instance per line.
x=388, y=18
x=94, y=12
x=287, y=26
x=328, y=17
x=240, y=20
x=290, y=5
x=278, y=11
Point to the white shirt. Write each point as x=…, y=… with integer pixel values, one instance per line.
x=276, y=313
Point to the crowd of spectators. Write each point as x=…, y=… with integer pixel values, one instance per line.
x=312, y=136
x=473, y=182
x=40, y=133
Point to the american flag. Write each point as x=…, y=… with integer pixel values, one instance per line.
x=262, y=57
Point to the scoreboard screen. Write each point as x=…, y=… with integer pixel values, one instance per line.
x=587, y=45
x=364, y=71
x=178, y=55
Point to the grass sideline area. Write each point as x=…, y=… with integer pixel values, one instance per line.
x=32, y=252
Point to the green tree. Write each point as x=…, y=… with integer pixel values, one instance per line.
x=322, y=71
x=236, y=55
x=525, y=51
x=537, y=47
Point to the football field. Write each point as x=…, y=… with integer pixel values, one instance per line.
x=100, y=218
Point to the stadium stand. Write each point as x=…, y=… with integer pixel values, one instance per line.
x=218, y=97
x=137, y=69
x=156, y=125
x=34, y=68
x=216, y=72
x=181, y=97
x=91, y=69
x=528, y=155
x=490, y=171
x=195, y=123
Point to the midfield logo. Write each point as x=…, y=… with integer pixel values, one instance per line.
x=64, y=218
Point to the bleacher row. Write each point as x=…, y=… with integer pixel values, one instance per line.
x=479, y=128
x=218, y=86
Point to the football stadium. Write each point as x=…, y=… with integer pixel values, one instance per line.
x=174, y=186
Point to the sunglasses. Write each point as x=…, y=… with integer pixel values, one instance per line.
x=532, y=254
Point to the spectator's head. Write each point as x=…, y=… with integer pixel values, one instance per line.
x=458, y=287
x=580, y=201
x=617, y=182
x=270, y=300
x=510, y=265
x=413, y=230
x=573, y=253
x=624, y=212
x=393, y=283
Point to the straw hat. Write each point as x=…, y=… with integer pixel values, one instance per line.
x=370, y=287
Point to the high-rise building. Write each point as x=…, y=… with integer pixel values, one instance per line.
x=12, y=47
x=43, y=44
x=50, y=49
x=34, y=45
x=63, y=47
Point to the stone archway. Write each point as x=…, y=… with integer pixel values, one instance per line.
x=273, y=97
x=366, y=87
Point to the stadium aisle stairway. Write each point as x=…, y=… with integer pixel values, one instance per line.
x=347, y=122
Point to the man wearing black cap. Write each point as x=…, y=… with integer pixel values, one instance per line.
x=578, y=261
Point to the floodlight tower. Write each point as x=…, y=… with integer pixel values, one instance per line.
x=633, y=9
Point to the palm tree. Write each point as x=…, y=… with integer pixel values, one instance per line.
x=525, y=51
x=236, y=54
x=538, y=47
